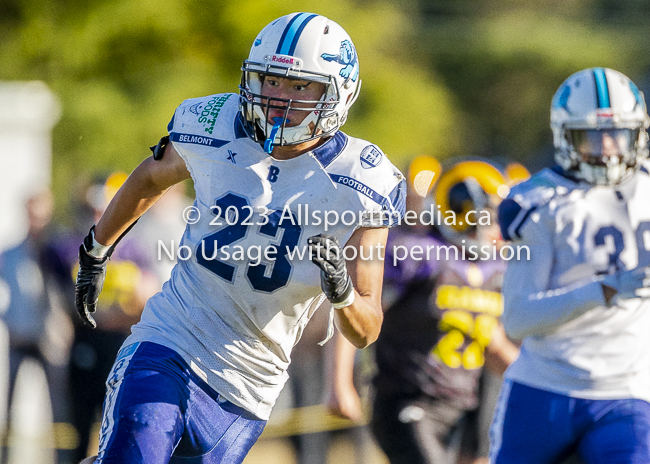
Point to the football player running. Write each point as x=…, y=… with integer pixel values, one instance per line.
x=197, y=378
x=582, y=380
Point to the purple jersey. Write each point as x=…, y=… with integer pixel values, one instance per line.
x=443, y=313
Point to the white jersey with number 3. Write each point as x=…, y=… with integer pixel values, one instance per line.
x=244, y=287
x=577, y=233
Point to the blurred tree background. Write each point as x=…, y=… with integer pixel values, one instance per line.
x=440, y=77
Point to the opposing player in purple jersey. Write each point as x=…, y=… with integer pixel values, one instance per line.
x=441, y=325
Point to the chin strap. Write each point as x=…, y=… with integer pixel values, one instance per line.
x=268, y=143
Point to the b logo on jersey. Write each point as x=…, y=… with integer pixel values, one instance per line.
x=371, y=157
x=273, y=173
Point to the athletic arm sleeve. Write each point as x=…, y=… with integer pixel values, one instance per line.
x=530, y=306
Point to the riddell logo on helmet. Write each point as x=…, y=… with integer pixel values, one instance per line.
x=281, y=59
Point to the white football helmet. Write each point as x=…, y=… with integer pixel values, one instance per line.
x=302, y=46
x=598, y=118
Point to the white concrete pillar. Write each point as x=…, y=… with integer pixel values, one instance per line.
x=28, y=112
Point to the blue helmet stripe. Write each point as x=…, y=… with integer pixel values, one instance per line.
x=286, y=31
x=602, y=91
x=636, y=93
x=292, y=49
x=291, y=33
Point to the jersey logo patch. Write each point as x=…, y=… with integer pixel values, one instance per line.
x=371, y=157
x=196, y=108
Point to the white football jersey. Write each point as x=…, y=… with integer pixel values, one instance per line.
x=574, y=343
x=244, y=287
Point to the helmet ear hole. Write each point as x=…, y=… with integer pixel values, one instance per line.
x=567, y=137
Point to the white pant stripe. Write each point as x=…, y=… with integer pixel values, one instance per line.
x=113, y=385
x=496, y=428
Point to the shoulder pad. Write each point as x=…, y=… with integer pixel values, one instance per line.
x=527, y=197
x=362, y=166
x=196, y=119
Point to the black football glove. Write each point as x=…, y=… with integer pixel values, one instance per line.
x=327, y=254
x=90, y=280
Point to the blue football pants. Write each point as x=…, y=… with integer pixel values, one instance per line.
x=158, y=411
x=536, y=426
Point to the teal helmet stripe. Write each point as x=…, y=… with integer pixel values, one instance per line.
x=602, y=90
x=637, y=94
x=291, y=34
x=294, y=42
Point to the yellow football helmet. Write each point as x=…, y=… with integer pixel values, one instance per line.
x=466, y=187
x=516, y=173
x=423, y=173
